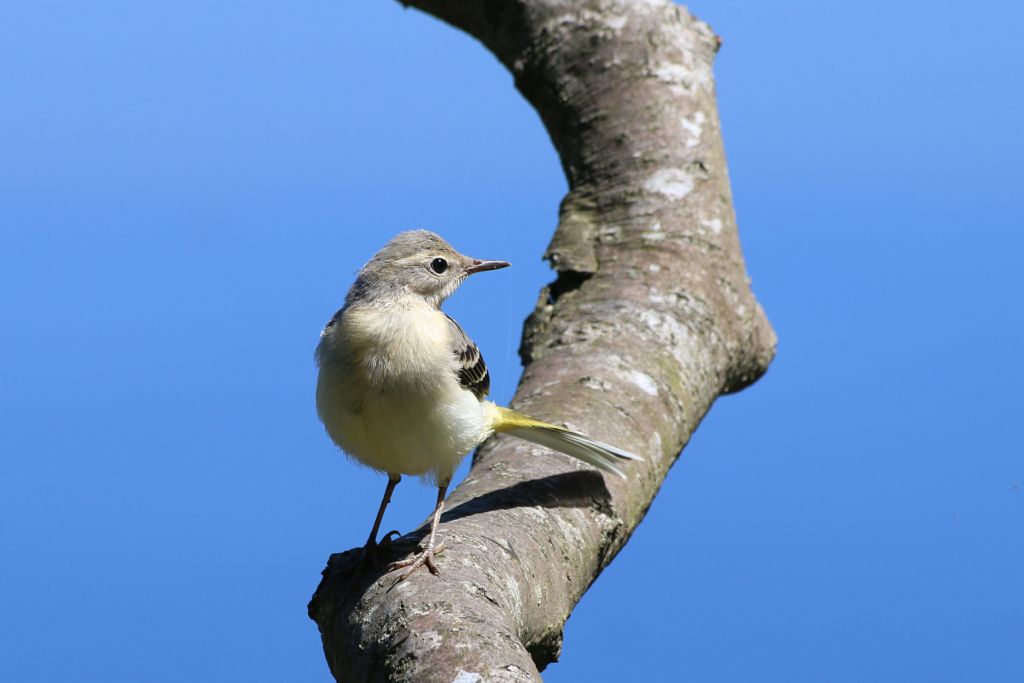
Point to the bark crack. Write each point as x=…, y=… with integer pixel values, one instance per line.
x=566, y=282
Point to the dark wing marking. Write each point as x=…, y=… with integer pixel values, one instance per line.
x=332, y=321
x=472, y=371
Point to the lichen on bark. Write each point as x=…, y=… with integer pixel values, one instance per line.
x=649, y=319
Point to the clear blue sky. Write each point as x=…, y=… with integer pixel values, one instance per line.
x=186, y=190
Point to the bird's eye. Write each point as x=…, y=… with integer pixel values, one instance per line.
x=439, y=265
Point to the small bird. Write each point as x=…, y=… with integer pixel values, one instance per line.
x=402, y=388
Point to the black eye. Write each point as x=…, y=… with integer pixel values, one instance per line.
x=439, y=265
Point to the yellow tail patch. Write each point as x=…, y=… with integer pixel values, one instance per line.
x=591, y=451
x=507, y=419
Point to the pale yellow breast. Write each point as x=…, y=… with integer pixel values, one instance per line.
x=400, y=345
x=394, y=402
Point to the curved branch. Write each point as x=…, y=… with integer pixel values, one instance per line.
x=650, y=319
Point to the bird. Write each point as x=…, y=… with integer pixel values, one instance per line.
x=402, y=389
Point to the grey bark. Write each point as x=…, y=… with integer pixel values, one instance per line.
x=650, y=319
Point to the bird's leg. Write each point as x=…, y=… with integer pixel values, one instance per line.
x=425, y=556
x=371, y=542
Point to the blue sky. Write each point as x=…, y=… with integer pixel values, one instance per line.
x=186, y=191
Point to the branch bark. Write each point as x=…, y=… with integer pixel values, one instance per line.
x=650, y=319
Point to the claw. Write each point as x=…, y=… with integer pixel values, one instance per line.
x=424, y=557
x=371, y=548
x=386, y=538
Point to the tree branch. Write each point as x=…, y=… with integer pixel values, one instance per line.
x=649, y=320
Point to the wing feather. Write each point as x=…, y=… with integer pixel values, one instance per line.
x=472, y=371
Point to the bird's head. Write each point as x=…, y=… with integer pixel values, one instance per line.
x=417, y=262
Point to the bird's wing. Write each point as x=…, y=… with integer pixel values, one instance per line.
x=472, y=371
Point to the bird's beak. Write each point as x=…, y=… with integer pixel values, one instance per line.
x=478, y=266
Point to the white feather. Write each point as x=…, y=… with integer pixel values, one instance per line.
x=591, y=451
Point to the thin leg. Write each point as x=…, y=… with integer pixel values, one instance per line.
x=425, y=556
x=393, y=480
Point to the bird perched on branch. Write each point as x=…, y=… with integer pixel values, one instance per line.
x=402, y=388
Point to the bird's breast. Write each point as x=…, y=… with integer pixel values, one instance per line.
x=388, y=394
x=397, y=348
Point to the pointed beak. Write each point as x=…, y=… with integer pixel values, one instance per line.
x=478, y=266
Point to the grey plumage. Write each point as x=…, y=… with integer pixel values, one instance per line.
x=398, y=268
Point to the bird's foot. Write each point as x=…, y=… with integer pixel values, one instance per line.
x=372, y=546
x=368, y=556
x=424, y=557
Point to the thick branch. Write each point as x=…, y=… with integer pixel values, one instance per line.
x=651, y=319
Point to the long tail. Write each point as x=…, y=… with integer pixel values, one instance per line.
x=593, y=452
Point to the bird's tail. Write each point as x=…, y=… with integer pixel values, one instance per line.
x=593, y=452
